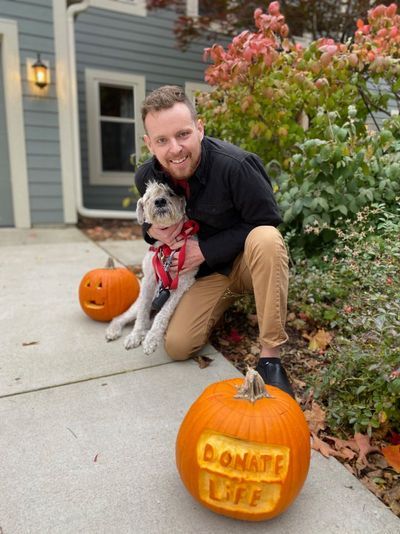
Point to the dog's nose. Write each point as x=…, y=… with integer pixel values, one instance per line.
x=160, y=202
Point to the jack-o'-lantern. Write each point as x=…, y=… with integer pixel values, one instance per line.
x=106, y=293
x=242, y=450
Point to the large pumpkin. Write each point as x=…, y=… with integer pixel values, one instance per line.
x=106, y=293
x=243, y=451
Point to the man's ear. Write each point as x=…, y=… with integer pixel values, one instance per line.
x=200, y=128
x=140, y=211
x=146, y=139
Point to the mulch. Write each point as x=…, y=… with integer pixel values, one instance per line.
x=236, y=338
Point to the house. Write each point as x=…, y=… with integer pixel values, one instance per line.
x=65, y=148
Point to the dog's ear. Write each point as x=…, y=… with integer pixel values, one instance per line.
x=140, y=211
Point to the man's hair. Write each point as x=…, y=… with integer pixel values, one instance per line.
x=166, y=97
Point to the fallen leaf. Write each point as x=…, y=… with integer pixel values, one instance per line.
x=394, y=438
x=234, y=336
x=320, y=340
x=252, y=318
x=203, y=361
x=392, y=455
x=28, y=343
x=321, y=446
x=315, y=418
x=365, y=448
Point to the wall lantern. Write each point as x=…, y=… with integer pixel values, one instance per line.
x=40, y=73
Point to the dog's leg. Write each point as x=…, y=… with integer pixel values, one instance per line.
x=147, y=291
x=114, y=329
x=156, y=334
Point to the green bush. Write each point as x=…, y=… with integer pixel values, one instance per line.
x=338, y=176
x=354, y=291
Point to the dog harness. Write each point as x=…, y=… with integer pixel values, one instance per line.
x=164, y=254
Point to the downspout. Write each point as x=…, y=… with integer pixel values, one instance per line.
x=72, y=11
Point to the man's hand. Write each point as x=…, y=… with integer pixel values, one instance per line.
x=193, y=258
x=166, y=235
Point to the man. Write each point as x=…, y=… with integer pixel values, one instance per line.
x=239, y=250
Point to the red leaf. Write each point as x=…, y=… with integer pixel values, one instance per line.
x=234, y=336
x=394, y=438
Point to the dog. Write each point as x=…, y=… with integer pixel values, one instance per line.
x=162, y=207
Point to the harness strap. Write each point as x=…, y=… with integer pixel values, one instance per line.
x=162, y=252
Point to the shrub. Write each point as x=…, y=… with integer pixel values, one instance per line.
x=329, y=178
x=354, y=291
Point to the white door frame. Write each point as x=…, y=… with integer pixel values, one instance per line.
x=15, y=122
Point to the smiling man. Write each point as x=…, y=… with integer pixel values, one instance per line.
x=238, y=250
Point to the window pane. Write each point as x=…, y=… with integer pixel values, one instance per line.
x=117, y=145
x=116, y=101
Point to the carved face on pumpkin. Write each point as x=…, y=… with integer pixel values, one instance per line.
x=106, y=293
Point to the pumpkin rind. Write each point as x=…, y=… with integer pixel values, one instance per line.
x=244, y=460
x=106, y=293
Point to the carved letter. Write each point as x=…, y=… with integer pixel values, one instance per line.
x=213, y=490
x=208, y=453
x=253, y=464
x=279, y=463
x=256, y=496
x=226, y=458
x=240, y=462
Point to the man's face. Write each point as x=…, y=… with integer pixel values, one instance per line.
x=174, y=138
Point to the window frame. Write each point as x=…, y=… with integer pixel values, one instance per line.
x=192, y=87
x=93, y=79
x=138, y=7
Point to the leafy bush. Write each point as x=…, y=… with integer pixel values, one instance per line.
x=354, y=291
x=338, y=176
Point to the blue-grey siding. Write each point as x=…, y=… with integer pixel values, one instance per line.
x=6, y=209
x=35, y=32
x=139, y=45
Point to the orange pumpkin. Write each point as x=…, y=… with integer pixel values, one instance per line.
x=244, y=451
x=106, y=293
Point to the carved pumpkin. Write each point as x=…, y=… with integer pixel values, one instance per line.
x=106, y=293
x=244, y=451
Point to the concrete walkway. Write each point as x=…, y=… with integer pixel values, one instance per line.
x=87, y=429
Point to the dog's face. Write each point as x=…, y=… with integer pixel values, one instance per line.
x=160, y=206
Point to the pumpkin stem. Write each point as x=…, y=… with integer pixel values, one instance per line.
x=110, y=263
x=253, y=387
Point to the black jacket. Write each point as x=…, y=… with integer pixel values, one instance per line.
x=230, y=194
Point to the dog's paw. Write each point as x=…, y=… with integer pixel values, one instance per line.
x=114, y=330
x=150, y=343
x=134, y=339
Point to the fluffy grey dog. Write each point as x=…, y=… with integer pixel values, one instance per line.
x=162, y=207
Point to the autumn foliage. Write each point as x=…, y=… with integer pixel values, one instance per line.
x=268, y=91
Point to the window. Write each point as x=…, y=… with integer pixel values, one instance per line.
x=114, y=126
x=131, y=7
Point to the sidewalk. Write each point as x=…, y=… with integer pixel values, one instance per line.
x=87, y=433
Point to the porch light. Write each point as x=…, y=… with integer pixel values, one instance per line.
x=40, y=73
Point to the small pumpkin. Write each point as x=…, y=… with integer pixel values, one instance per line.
x=243, y=451
x=106, y=293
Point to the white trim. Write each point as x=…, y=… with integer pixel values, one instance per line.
x=135, y=7
x=192, y=8
x=67, y=97
x=15, y=123
x=191, y=88
x=93, y=79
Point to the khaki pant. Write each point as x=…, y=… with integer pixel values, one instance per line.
x=263, y=269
